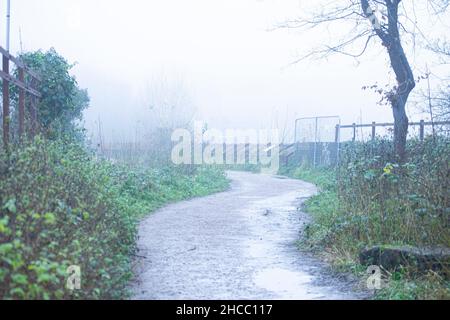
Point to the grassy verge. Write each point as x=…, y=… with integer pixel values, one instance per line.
x=143, y=190
x=60, y=206
x=337, y=235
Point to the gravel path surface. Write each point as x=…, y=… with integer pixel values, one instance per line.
x=239, y=244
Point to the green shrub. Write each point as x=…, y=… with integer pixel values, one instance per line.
x=407, y=203
x=62, y=102
x=59, y=206
x=58, y=210
x=370, y=199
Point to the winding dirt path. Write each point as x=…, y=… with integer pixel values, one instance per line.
x=239, y=244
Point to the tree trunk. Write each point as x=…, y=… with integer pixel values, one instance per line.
x=401, y=124
x=406, y=83
x=390, y=37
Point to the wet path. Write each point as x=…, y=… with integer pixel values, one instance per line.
x=240, y=244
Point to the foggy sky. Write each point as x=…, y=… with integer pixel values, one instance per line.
x=235, y=70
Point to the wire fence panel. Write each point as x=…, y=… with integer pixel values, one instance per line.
x=367, y=132
x=317, y=141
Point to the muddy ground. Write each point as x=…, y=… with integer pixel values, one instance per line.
x=239, y=244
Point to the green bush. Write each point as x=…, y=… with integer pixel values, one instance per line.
x=57, y=210
x=371, y=199
x=62, y=103
x=143, y=190
x=405, y=203
x=59, y=206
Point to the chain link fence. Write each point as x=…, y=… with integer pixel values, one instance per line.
x=317, y=141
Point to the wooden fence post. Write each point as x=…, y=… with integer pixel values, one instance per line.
x=338, y=142
x=374, y=128
x=336, y=139
x=6, y=115
x=316, y=137
x=354, y=132
x=422, y=130
x=21, y=104
x=23, y=89
x=247, y=152
x=33, y=110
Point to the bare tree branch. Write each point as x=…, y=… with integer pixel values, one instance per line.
x=388, y=21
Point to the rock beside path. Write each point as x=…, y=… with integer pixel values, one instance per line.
x=419, y=260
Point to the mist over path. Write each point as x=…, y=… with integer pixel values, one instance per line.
x=239, y=244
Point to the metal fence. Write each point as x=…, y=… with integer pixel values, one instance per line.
x=363, y=132
x=318, y=139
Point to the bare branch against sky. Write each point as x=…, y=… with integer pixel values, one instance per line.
x=236, y=72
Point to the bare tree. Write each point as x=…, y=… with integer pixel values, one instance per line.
x=442, y=48
x=168, y=106
x=169, y=102
x=440, y=101
x=388, y=22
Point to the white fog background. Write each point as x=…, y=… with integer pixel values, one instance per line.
x=219, y=57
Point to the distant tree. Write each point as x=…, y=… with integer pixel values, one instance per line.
x=440, y=102
x=169, y=106
x=63, y=102
x=388, y=22
x=441, y=106
x=169, y=102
